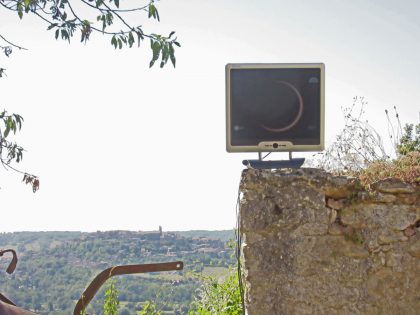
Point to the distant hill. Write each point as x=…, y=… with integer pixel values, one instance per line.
x=223, y=235
x=55, y=267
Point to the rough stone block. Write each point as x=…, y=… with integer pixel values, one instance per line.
x=319, y=244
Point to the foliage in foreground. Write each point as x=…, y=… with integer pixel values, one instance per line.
x=111, y=300
x=149, y=308
x=215, y=297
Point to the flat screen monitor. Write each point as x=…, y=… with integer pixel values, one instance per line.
x=275, y=107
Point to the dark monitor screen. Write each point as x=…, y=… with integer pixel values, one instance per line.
x=277, y=108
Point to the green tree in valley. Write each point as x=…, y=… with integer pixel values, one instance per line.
x=149, y=308
x=111, y=300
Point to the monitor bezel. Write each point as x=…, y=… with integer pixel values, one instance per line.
x=266, y=147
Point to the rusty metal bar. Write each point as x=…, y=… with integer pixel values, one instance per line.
x=6, y=300
x=103, y=276
x=10, y=269
x=13, y=263
x=7, y=309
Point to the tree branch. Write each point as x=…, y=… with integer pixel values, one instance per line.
x=121, y=19
x=11, y=44
x=119, y=10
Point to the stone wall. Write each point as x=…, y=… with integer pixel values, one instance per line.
x=318, y=244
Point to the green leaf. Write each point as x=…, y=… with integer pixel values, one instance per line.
x=117, y=3
x=178, y=44
x=9, y=122
x=57, y=33
x=27, y=3
x=114, y=42
x=104, y=22
x=171, y=33
x=6, y=132
x=165, y=54
x=19, y=9
x=157, y=15
x=65, y=35
x=18, y=120
x=156, y=45
x=18, y=156
x=130, y=39
x=172, y=55
x=152, y=10
x=124, y=39
x=109, y=18
x=139, y=38
x=156, y=48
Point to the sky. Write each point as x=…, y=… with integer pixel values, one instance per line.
x=120, y=146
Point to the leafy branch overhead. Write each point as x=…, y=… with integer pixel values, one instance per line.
x=108, y=18
x=7, y=47
x=11, y=123
x=67, y=18
x=11, y=151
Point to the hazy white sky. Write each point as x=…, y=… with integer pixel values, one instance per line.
x=121, y=146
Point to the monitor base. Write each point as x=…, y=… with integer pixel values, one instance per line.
x=259, y=164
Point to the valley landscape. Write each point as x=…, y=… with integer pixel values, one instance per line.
x=55, y=267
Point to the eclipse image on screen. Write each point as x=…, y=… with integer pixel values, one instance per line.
x=273, y=106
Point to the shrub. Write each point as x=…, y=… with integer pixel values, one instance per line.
x=406, y=168
x=409, y=142
x=111, y=300
x=358, y=149
x=149, y=308
x=356, y=146
x=218, y=298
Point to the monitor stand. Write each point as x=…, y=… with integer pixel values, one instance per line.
x=260, y=164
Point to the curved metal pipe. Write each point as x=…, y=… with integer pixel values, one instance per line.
x=13, y=263
x=9, y=270
x=103, y=276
